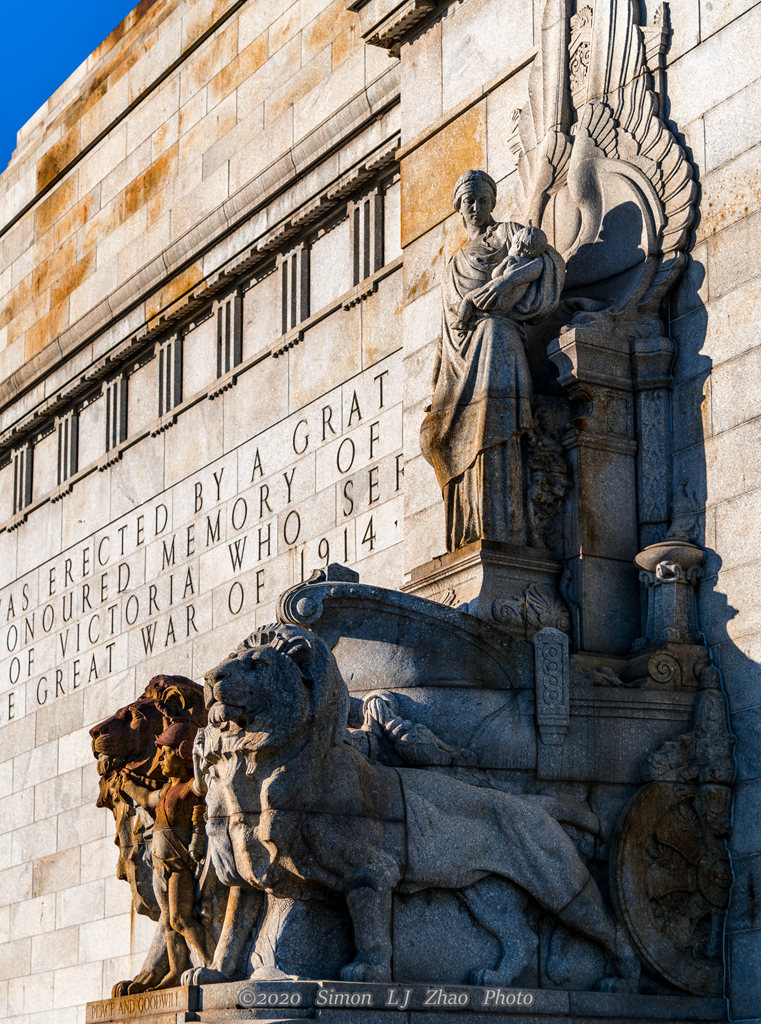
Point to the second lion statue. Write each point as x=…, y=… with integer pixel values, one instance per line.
x=296, y=811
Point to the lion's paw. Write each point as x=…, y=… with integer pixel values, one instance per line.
x=624, y=970
x=365, y=970
x=202, y=976
x=485, y=977
x=139, y=984
x=618, y=984
x=120, y=989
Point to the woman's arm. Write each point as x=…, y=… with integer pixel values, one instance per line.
x=493, y=292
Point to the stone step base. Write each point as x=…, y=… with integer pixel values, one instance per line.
x=329, y=1002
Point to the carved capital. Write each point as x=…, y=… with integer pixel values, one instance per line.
x=588, y=356
x=652, y=356
x=670, y=571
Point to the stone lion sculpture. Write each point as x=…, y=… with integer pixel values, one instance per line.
x=295, y=811
x=125, y=747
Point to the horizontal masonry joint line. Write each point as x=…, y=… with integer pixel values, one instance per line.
x=261, y=191
x=124, y=113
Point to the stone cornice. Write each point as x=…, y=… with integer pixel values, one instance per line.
x=142, y=95
x=144, y=346
x=355, y=115
x=376, y=164
x=387, y=23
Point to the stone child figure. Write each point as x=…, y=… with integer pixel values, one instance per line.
x=520, y=269
x=481, y=406
x=179, y=844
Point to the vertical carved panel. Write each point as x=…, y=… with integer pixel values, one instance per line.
x=294, y=276
x=229, y=314
x=170, y=373
x=366, y=225
x=653, y=464
x=23, y=467
x=67, y=431
x=116, y=411
x=553, y=703
x=579, y=50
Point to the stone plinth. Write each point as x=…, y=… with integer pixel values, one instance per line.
x=513, y=586
x=399, y=1003
x=168, y=1004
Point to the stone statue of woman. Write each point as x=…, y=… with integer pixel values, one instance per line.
x=502, y=277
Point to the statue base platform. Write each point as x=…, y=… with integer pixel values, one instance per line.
x=515, y=587
x=335, y=1002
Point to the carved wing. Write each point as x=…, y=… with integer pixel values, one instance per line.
x=597, y=160
x=621, y=70
x=541, y=140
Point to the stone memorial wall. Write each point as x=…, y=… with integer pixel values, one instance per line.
x=223, y=246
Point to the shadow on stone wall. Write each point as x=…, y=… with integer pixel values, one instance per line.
x=741, y=676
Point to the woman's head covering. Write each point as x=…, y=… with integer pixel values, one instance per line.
x=479, y=179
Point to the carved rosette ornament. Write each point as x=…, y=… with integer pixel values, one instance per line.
x=671, y=868
x=673, y=878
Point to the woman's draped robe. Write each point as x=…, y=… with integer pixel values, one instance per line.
x=481, y=405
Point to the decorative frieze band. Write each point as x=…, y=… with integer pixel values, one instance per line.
x=379, y=164
x=229, y=316
x=169, y=353
x=298, y=163
x=224, y=290
x=294, y=277
x=366, y=227
x=116, y=393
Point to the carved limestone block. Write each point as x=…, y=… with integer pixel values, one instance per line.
x=389, y=22
x=593, y=147
x=671, y=867
x=536, y=607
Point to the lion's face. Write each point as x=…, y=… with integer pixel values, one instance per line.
x=128, y=736
x=259, y=691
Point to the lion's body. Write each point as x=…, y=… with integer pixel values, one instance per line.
x=297, y=812
x=436, y=831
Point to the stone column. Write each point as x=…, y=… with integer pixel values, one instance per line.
x=670, y=572
x=601, y=536
x=651, y=363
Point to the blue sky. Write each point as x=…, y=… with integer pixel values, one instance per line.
x=42, y=43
